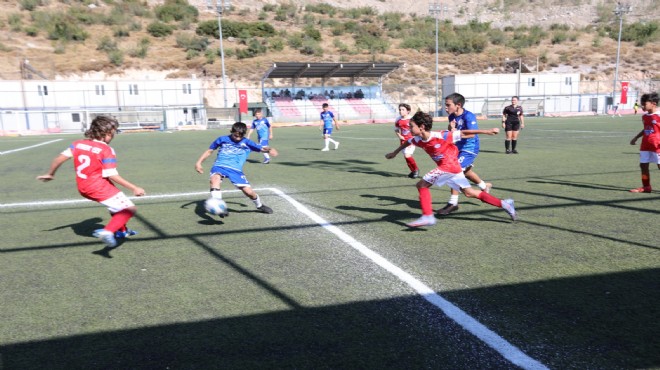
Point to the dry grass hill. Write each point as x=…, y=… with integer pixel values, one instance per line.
x=583, y=49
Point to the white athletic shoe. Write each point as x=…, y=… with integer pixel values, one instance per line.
x=325, y=149
x=337, y=145
x=107, y=237
x=423, y=221
x=507, y=204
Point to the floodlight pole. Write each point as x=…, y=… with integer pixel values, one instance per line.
x=220, y=5
x=436, y=9
x=619, y=11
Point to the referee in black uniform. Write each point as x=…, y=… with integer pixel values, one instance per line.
x=512, y=122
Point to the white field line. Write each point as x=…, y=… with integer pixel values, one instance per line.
x=29, y=147
x=489, y=337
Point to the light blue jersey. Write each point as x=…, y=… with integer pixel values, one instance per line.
x=233, y=154
x=262, y=126
x=466, y=121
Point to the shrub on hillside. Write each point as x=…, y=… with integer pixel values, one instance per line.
x=160, y=29
x=176, y=10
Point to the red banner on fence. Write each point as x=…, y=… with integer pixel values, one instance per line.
x=624, y=92
x=242, y=101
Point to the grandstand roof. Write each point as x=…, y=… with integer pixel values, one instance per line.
x=328, y=70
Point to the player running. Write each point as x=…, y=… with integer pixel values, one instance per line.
x=402, y=131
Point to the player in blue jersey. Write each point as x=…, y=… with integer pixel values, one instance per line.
x=233, y=151
x=327, y=119
x=264, y=131
x=461, y=119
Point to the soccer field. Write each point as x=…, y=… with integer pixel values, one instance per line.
x=333, y=278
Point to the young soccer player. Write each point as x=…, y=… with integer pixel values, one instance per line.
x=649, y=150
x=327, y=119
x=233, y=151
x=264, y=131
x=462, y=119
x=95, y=164
x=440, y=146
x=402, y=131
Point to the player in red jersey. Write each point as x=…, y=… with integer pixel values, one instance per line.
x=402, y=131
x=649, y=150
x=95, y=164
x=440, y=146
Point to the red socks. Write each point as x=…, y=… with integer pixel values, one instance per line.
x=487, y=198
x=412, y=165
x=119, y=220
x=426, y=201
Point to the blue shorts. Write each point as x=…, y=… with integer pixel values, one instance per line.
x=263, y=142
x=327, y=131
x=236, y=177
x=466, y=159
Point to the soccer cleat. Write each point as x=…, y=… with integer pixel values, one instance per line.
x=414, y=174
x=643, y=189
x=449, y=208
x=422, y=221
x=107, y=237
x=125, y=234
x=325, y=149
x=266, y=161
x=488, y=187
x=337, y=145
x=514, y=151
x=265, y=209
x=508, y=152
x=507, y=204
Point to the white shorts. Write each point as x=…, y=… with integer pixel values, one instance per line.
x=409, y=150
x=649, y=157
x=117, y=203
x=456, y=181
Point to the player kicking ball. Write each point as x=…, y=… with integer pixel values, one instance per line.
x=440, y=146
x=95, y=164
x=233, y=150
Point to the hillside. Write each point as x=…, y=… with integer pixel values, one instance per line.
x=589, y=52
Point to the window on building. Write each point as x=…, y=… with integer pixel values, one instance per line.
x=43, y=90
x=100, y=90
x=75, y=117
x=187, y=89
x=531, y=81
x=133, y=89
x=569, y=81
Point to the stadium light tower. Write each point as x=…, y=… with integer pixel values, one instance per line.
x=220, y=6
x=436, y=9
x=619, y=11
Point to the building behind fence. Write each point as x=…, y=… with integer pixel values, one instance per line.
x=46, y=106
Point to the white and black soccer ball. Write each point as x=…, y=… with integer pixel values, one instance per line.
x=216, y=206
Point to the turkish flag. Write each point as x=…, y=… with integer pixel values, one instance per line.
x=242, y=101
x=624, y=92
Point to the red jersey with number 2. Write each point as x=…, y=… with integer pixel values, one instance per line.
x=94, y=162
x=440, y=146
x=402, y=126
x=651, y=138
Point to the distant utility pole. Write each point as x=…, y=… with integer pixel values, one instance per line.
x=437, y=9
x=619, y=11
x=220, y=6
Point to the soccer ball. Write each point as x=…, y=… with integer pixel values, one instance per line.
x=216, y=206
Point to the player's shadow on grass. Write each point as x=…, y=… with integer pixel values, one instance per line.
x=206, y=219
x=83, y=228
x=581, y=185
x=349, y=165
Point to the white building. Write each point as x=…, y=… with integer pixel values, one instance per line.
x=540, y=93
x=39, y=106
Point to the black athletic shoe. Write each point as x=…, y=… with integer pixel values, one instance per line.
x=265, y=209
x=514, y=151
x=508, y=152
x=414, y=174
x=449, y=208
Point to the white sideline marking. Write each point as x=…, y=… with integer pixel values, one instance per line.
x=492, y=339
x=29, y=147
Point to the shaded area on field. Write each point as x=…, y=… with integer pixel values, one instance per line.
x=404, y=332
